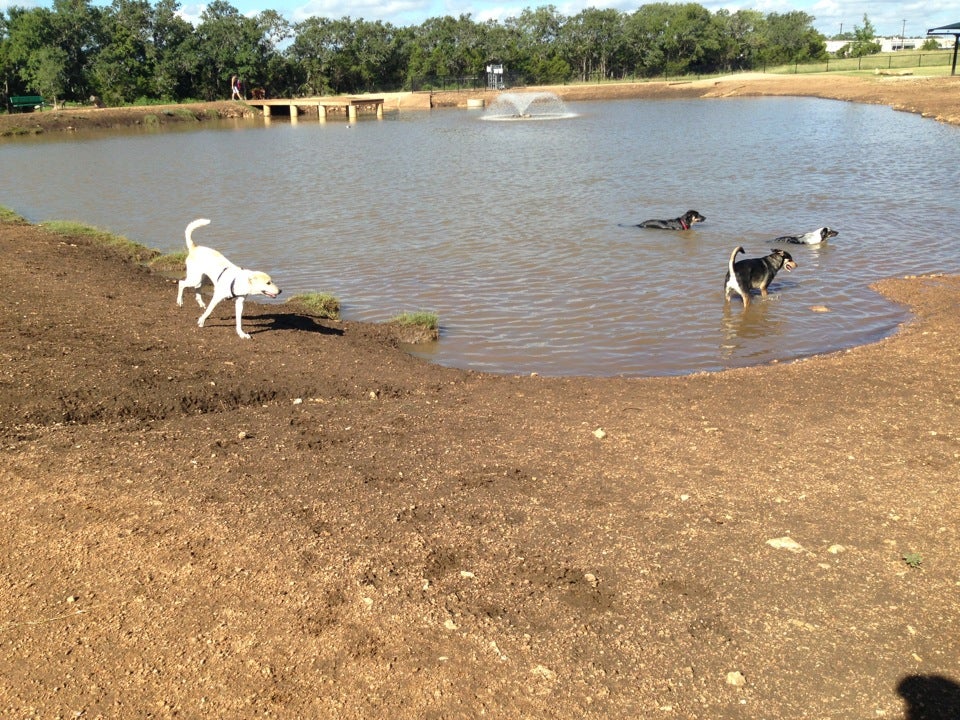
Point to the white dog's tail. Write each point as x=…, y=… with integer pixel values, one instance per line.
x=733, y=255
x=188, y=233
x=731, y=275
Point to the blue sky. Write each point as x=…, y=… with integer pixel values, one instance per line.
x=888, y=17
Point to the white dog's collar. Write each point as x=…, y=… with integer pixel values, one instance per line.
x=233, y=292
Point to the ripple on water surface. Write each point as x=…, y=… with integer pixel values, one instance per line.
x=520, y=235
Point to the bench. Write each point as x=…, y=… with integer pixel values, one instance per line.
x=26, y=103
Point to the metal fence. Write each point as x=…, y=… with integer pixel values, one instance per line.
x=450, y=83
x=901, y=60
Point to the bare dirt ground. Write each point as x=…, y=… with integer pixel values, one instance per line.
x=313, y=524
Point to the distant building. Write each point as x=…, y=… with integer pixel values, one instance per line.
x=892, y=44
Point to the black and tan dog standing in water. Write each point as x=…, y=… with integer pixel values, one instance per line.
x=754, y=273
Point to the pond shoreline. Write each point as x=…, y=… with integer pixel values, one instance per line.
x=934, y=97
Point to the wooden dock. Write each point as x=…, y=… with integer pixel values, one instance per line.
x=350, y=105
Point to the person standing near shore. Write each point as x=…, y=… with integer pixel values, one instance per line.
x=235, y=92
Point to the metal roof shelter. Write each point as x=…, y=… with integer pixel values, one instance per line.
x=949, y=30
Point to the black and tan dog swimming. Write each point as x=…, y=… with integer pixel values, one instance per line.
x=754, y=273
x=684, y=222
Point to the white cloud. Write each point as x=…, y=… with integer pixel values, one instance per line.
x=392, y=11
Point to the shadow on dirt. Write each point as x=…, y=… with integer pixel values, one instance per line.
x=289, y=321
x=930, y=697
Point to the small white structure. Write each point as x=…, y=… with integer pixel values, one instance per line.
x=495, y=77
x=892, y=44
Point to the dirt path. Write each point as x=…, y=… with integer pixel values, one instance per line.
x=313, y=524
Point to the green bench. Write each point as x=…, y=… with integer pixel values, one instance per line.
x=26, y=103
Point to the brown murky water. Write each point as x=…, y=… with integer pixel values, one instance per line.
x=513, y=232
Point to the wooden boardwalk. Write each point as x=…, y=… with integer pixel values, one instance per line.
x=350, y=105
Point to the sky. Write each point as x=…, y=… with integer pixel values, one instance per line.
x=888, y=17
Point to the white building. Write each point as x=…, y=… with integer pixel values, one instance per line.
x=890, y=44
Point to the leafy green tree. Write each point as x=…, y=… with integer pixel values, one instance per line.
x=315, y=51
x=379, y=53
x=26, y=32
x=170, y=49
x=45, y=50
x=123, y=69
x=594, y=42
x=226, y=44
x=277, y=74
x=673, y=39
x=791, y=38
x=447, y=47
x=741, y=38
x=76, y=30
x=864, y=39
x=6, y=66
x=46, y=71
x=538, y=46
x=645, y=30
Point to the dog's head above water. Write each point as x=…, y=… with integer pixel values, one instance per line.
x=691, y=217
x=784, y=258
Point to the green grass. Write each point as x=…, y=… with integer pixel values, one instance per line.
x=420, y=318
x=18, y=131
x=173, y=262
x=9, y=216
x=123, y=246
x=926, y=63
x=416, y=327
x=322, y=305
x=913, y=559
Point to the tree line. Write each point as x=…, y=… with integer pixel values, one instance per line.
x=134, y=51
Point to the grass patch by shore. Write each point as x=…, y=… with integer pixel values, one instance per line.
x=9, y=216
x=171, y=262
x=123, y=246
x=416, y=327
x=18, y=131
x=322, y=305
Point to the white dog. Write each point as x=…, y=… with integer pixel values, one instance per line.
x=814, y=237
x=229, y=281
